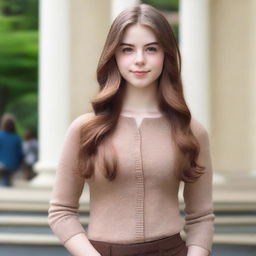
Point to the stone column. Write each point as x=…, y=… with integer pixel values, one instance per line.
x=72, y=35
x=90, y=22
x=233, y=80
x=194, y=44
x=118, y=5
x=54, y=76
x=252, y=66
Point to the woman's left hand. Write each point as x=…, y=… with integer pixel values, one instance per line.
x=194, y=250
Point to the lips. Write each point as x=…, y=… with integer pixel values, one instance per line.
x=140, y=72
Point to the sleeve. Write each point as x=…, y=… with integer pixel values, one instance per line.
x=199, y=213
x=63, y=214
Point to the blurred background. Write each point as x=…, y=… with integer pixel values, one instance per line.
x=48, y=56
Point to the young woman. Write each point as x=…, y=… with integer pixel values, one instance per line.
x=133, y=149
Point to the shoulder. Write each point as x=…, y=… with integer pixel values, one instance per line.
x=74, y=129
x=199, y=130
x=80, y=120
x=3, y=133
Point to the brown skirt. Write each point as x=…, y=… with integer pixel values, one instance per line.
x=167, y=246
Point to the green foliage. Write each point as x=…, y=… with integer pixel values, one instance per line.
x=18, y=44
x=24, y=108
x=11, y=23
x=18, y=64
x=168, y=5
x=19, y=60
x=176, y=31
x=22, y=14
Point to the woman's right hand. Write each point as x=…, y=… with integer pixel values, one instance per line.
x=79, y=245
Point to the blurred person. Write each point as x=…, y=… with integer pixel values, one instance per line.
x=30, y=153
x=10, y=150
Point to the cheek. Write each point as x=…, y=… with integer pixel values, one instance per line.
x=122, y=61
x=157, y=63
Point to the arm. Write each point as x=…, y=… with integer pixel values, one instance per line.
x=79, y=245
x=199, y=214
x=63, y=216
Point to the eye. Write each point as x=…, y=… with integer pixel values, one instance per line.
x=127, y=49
x=151, y=49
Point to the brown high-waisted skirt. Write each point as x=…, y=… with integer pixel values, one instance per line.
x=167, y=246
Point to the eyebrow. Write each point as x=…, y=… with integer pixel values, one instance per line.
x=133, y=45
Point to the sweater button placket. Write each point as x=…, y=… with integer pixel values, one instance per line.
x=140, y=229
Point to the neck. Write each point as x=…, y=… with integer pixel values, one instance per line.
x=140, y=99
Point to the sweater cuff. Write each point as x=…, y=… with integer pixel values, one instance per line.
x=67, y=228
x=199, y=229
x=200, y=234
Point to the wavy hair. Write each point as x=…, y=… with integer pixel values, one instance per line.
x=96, y=132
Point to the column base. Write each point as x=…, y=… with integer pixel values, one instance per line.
x=45, y=176
x=253, y=173
x=218, y=179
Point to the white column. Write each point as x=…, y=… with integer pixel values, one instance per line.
x=119, y=5
x=194, y=43
x=53, y=87
x=252, y=67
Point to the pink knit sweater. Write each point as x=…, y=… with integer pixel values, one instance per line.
x=141, y=204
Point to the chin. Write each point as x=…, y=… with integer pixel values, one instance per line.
x=140, y=85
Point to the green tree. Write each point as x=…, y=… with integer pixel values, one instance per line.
x=20, y=14
x=168, y=5
x=18, y=65
x=19, y=59
x=24, y=108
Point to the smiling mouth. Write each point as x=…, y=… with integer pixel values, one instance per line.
x=140, y=72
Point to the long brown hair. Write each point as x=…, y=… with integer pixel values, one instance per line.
x=96, y=132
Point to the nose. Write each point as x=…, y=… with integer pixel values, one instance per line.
x=139, y=58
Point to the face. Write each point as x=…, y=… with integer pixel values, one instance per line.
x=139, y=57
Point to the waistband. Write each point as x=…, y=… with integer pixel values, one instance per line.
x=173, y=242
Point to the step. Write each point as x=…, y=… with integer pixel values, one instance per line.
x=29, y=239
x=45, y=239
x=18, y=229
x=42, y=220
x=238, y=220
x=21, y=206
x=37, y=200
x=235, y=239
x=17, y=206
x=30, y=220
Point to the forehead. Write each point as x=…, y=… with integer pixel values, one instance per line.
x=138, y=34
